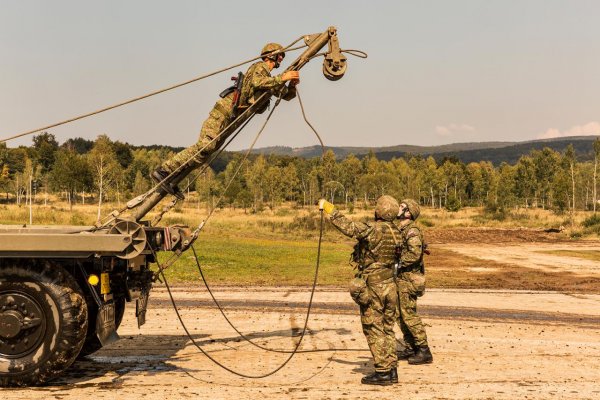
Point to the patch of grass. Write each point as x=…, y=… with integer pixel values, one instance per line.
x=591, y=221
x=591, y=224
x=280, y=248
x=248, y=261
x=426, y=222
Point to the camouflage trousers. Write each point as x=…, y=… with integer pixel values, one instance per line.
x=410, y=286
x=209, y=139
x=378, y=320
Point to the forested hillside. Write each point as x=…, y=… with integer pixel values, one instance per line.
x=561, y=176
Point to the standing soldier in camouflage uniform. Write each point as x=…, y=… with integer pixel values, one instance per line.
x=256, y=82
x=374, y=288
x=411, y=284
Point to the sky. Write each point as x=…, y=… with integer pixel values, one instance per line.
x=438, y=72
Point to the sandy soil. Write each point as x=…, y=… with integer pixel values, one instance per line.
x=486, y=344
x=528, y=256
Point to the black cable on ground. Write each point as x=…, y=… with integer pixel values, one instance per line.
x=299, y=340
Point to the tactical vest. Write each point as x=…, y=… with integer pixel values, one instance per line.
x=249, y=94
x=386, y=248
x=384, y=251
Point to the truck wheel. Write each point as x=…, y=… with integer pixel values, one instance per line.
x=43, y=321
x=92, y=343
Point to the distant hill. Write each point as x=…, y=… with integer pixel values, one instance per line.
x=496, y=152
x=341, y=152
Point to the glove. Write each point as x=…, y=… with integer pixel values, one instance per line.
x=326, y=206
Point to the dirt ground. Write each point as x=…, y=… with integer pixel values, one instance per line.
x=487, y=344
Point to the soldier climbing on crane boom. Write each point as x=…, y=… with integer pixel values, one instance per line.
x=251, y=97
x=233, y=101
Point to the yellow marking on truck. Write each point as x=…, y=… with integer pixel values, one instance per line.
x=104, y=283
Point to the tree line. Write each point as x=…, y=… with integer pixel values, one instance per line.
x=104, y=170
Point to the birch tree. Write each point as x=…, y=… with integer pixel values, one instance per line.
x=570, y=160
x=595, y=184
x=105, y=167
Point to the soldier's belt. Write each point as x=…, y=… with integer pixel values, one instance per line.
x=380, y=276
x=416, y=267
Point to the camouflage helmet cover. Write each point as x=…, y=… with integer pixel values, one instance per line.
x=387, y=208
x=413, y=207
x=270, y=48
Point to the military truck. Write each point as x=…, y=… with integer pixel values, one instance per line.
x=64, y=289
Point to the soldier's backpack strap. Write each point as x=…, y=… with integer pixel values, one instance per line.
x=393, y=236
x=398, y=248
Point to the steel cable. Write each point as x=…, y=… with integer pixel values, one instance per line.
x=145, y=96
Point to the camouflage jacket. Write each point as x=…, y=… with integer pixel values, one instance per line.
x=411, y=256
x=376, y=245
x=258, y=80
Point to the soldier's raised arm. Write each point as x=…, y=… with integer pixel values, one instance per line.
x=357, y=230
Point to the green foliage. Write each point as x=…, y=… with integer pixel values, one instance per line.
x=576, y=234
x=426, y=222
x=351, y=208
x=591, y=221
x=592, y=224
x=45, y=146
x=453, y=203
x=543, y=178
x=495, y=211
x=309, y=222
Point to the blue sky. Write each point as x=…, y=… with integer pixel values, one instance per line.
x=438, y=71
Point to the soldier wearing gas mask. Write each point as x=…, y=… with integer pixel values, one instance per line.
x=411, y=285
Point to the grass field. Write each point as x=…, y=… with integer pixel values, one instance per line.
x=59, y=213
x=280, y=247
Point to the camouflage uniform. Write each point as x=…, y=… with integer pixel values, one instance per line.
x=374, y=253
x=257, y=80
x=411, y=284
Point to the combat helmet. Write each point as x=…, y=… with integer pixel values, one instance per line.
x=387, y=208
x=413, y=207
x=271, y=48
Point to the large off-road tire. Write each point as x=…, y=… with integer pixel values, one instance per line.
x=92, y=343
x=43, y=322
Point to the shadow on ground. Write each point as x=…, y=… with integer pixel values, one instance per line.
x=151, y=355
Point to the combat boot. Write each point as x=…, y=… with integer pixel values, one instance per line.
x=380, y=378
x=161, y=176
x=405, y=353
x=394, y=373
x=422, y=356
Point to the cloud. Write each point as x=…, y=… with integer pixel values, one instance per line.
x=589, y=129
x=451, y=129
